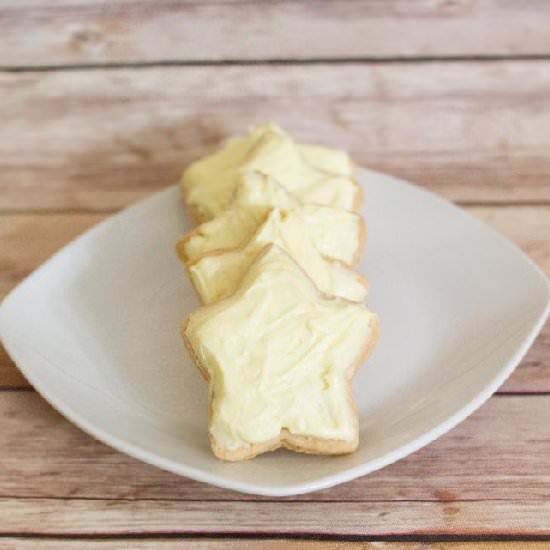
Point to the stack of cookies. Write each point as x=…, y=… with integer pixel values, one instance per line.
x=283, y=327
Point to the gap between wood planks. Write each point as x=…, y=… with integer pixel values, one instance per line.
x=274, y=61
x=251, y=542
x=261, y=500
x=299, y=541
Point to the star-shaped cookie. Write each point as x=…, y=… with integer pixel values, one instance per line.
x=217, y=275
x=337, y=234
x=278, y=356
x=208, y=184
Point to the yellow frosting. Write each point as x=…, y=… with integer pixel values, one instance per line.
x=218, y=275
x=335, y=233
x=208, y=183
x=278, y=356
x=328, y=160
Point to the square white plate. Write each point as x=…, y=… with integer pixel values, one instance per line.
x=95, y=330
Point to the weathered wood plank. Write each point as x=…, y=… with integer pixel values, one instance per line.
x=500, y=453
x=533, y=373
x=527, y=226
x=10, y=376
x=29, y=239
x=76, y=517
x=254, y=544
x=101, y=139
x=94, y=31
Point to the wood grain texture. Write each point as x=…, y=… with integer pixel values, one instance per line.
x=100, y=139
x=499, y=454
x=29, y=239
x=122, y=517
x=533, y=373
x=10, y=376
x=253, y=544
x=528, y=227
x=97, y=31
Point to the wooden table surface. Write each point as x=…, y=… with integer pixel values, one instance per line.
x=102, y=103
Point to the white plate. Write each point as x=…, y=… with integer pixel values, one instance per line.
x=95, y=330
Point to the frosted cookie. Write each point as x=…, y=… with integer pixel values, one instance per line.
x=218, y=275
x=328, y=160
x=278, y=356
x=337, y=234
x=208, y=184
